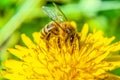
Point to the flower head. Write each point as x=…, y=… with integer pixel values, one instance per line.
x=83, y=59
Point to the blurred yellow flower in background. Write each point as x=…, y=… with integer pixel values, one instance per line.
x=86, y=61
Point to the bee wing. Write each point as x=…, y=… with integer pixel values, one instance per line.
x=52, y=14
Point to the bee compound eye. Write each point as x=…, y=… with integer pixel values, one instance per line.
x=71, y=38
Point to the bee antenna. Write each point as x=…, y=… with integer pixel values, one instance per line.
x=60, y=11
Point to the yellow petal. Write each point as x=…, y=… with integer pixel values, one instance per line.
x=27, y=41
x=84, y=32
x=36, y=37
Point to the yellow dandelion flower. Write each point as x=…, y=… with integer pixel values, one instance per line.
x=85, y=59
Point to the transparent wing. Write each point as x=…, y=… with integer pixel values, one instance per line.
x=52, y=14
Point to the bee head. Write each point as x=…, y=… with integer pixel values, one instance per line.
x=69, y=28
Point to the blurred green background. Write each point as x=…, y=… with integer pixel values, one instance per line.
x=26, y=16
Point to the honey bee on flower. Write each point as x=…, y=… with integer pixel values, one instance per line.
x=63, y=53
x=59, y=27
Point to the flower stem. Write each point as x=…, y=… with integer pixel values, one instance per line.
x=25, y=11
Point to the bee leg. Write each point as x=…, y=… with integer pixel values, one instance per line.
x=59, y=43
x=47, y=40
x=48, y=37
x=66, y=40
x=73, y=48
x=73, y=45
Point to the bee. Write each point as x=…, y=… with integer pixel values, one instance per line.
x=59, y=25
